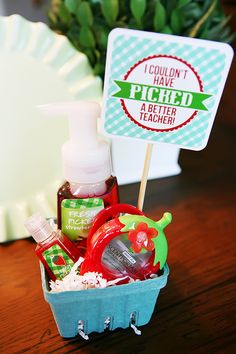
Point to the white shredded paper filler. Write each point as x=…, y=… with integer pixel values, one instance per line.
x=75, y=281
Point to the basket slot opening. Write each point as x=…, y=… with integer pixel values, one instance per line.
x=108, y=323
x=133, y=319
x=81, y=330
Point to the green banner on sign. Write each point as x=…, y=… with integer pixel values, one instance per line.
x=161, y=95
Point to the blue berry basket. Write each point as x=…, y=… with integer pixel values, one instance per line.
x=94, y=310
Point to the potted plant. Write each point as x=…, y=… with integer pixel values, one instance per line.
x=87, y=22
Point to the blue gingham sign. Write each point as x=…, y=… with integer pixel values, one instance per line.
x=163, y=88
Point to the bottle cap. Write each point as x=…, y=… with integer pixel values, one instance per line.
x=38, y=227
x=86, y=158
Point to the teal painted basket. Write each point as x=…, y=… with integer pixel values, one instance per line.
x=95, y=310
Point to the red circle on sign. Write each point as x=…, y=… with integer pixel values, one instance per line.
x=161, y=56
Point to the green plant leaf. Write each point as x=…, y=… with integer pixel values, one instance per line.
x=64, y=14
x=124, y=8
x=169, y=5
x=121, y=24
x=99, y=69
x=55, y=4
x=176, y=21
x=87, y=30
x=52, y=18
x=167, y=30
x=74, y=28
x=102, y=37
x=206, y=5
x=86, y=37
x=72, y=5
x=138, y=8
x=182, y=3
x=110, y=10
x=84, y=14
x=219, y=32
x=159, y=20
x=133, y=24
x=192, y=11
x=197, y=26
x=90, y=54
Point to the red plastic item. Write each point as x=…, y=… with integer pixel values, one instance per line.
x=106, y=227
x=109, y=213
x=71, y=255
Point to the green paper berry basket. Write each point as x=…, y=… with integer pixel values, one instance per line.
x=94, y=310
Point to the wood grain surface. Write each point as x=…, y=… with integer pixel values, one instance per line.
x=196, y=311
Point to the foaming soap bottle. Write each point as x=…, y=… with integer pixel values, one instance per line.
x=89, y=185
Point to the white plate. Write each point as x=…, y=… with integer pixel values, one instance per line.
x=37, y=66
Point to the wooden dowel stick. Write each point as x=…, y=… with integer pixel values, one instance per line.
x=143, y=183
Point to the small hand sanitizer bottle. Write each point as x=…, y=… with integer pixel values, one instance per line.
x=89, y=185
x=57, y=253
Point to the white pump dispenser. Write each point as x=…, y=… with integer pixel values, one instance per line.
x=86, y=158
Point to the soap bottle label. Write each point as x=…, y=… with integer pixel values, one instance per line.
x=77, y=216
x=58, y=261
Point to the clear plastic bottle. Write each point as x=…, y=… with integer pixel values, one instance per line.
x=120, y=260
x=56, y=252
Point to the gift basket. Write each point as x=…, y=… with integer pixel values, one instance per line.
x=120, y=284
x=95, y=310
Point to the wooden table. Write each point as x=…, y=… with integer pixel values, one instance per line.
x=196, y=310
